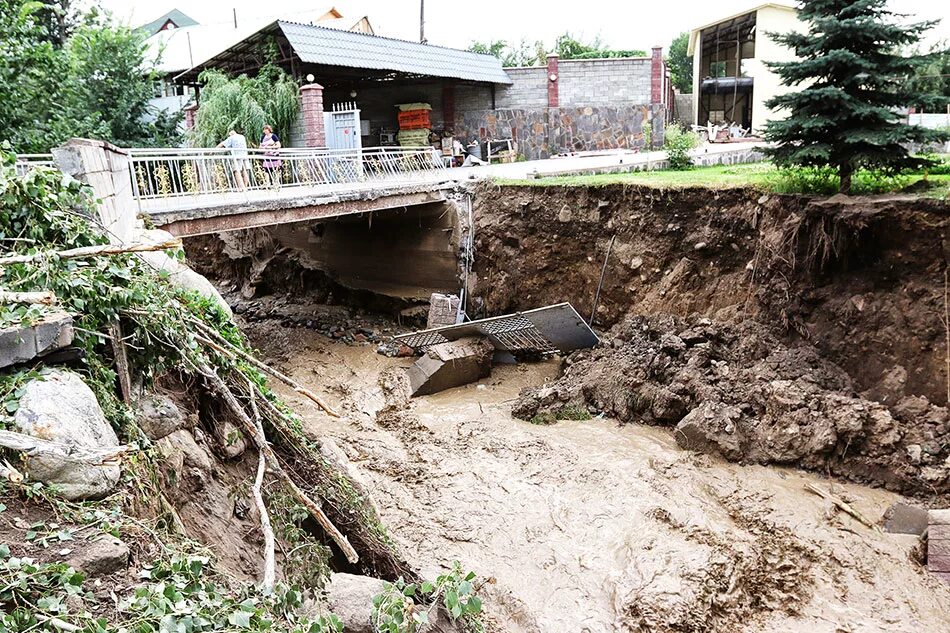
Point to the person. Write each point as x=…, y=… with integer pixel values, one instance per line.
x=270, y=143
x=240, y=163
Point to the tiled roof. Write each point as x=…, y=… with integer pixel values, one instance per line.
x=330, y=47
x=176, y=16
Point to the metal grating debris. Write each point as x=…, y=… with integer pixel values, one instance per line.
x=556, y=328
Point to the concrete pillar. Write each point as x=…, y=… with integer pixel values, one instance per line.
x=553, y=78
x=311, y=109
x=190, y=111
x=656, y=75
x=105, y=168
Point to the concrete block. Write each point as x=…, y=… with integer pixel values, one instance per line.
x=17, y=345
x=902, y=518
x=54, y=332
x=450, y=365
x=938, y=563
x=938, y=547
x=443, y=310
x=942, y=575
x=938, y=532
x=939, y=517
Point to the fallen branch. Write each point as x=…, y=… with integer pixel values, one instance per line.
x=56, y=623
x=227, y=349
x=216, y=384
x=841, y=505
x=10, y=473
x=90, y=251
x=121, y=361
x=35, y=446
x=267, y=581
x=45, y=297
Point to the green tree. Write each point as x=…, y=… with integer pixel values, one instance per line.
x=245, y=104
x=568, y=46
x=681, y=63
x=844, y=116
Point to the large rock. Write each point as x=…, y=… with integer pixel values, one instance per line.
x=178, y=273
x=350, y=597
x=100, y=557
x=60, y=407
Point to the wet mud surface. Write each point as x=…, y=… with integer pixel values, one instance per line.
x=592, y=526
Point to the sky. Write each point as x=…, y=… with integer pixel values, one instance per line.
x=621, y=24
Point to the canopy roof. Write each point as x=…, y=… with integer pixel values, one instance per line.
x=312, y=48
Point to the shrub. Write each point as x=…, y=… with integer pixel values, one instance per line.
x=825, y=181
x=678, y=142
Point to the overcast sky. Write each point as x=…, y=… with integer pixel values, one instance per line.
x=622, y=24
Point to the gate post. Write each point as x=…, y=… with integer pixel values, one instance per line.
x=311, y=107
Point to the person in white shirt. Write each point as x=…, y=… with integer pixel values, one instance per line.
x=240, y=163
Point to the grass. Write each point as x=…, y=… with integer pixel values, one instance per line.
x=761, y=175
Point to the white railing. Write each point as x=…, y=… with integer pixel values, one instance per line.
x=26, y=162
x=159, y=174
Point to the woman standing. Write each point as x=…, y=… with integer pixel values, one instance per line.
x=270, y=143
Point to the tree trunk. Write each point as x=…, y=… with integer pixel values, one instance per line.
x=844, y=175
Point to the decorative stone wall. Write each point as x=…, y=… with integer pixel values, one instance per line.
x=545, y=132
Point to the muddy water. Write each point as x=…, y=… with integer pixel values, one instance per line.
x=588, y=526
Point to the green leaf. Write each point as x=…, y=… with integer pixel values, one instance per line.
x=240, y=618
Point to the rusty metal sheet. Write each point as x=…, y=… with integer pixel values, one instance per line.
x=556, y=328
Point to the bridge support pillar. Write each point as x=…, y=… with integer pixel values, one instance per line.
x=311, y=109
x=105, y=168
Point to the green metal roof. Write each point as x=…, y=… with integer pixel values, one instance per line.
x=176, y=16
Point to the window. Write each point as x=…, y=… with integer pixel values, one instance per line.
x=717, y=69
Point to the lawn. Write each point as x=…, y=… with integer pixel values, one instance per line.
x=760, y=175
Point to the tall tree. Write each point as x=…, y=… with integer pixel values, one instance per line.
x=566, y=46
x=854, y=77
x=681, y=63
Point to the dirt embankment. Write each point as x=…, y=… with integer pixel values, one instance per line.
x=825, y=343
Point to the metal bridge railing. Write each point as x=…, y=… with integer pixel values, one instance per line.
x=26, y=162
x=172, y=175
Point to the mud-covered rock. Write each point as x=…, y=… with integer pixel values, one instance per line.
x=60, y=407
x=101, y=556
x=158, y=416
x=736, y=390
x=350, y=597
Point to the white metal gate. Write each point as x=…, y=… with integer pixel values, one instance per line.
x=342, y=126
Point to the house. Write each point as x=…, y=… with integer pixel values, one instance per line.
x=562, y=106
x=174, y=19
x=731, y=82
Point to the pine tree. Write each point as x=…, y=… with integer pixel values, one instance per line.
x=853, y=78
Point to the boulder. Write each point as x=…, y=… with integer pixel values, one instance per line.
x=350, y=597
x=60, y=407
x=158, y=416
x=178, y=273
x=100, y=557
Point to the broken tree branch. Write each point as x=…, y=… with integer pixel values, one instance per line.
x=91, y=251
x=267, y=581
x=216, y=384
x=121, y=361
x=45, y=297
x=36, y=446
x=227, y=349
x=841, y=505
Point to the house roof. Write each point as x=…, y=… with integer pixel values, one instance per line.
x=321, y=46
x=694, y=32
x=176, y=16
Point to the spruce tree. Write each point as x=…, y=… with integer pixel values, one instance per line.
x=852, y=73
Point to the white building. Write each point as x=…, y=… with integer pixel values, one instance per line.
x=731, y=82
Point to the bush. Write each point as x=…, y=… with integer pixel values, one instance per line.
x=824, y=181
x=678, y=142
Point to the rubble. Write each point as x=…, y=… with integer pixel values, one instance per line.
x=451, y=364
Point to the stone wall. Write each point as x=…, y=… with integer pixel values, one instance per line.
x=544, y=132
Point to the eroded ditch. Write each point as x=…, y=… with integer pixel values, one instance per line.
x=591, y=526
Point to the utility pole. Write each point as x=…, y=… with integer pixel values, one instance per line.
x=422, y=21
x=234, y=12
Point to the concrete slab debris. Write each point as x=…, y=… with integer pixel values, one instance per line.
x=902, y=518
x=556, y=328
x=21, y=344
x=450, y=364
x=938, y=543
x=443, y=310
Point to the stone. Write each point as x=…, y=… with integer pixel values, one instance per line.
x=938, y=532
x=636, y=263
x=100, y=557
x=938, y=563
x=939, y=517
x=60, y=407
x=181, y=447
x=350, y=597
x=178, y=273
x=158, y=416
x=21, y=344
x=903, y=518
x=230, y=439
x=451, y=364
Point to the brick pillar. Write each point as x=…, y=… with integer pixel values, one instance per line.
x=190, y=111
x=311, y=109
x=656, y=75
x=448, y=105
x=553, y=79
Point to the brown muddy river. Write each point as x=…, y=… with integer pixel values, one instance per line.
x=592, y=527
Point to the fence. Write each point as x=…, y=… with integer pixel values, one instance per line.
x=178, y=173
x=26, y=162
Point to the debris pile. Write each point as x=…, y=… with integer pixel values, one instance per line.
x=736, y=390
